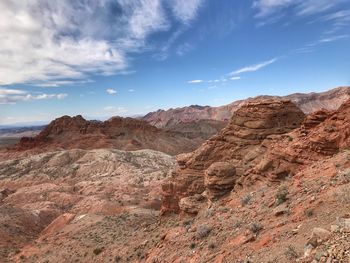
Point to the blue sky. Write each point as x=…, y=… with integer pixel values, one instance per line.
x=101, y=58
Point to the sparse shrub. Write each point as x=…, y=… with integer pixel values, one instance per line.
x=329, y=129
x=281, y=195
x=140, y=254
x=291, y=253
x=345, y=176
x=117, y=259
x=223, y=209
x=209, y=213
x=211, y=245
x=246, y=199
x=290, y=138
x=309, y=212
x=187, y=223
x=237, y=224
x=98, y=250
x=255, y=227
x=343, y=194
x=192, y=245
x=203, y=231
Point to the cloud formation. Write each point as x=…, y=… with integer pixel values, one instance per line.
x=52, y=41
x=111, y=91
x=254, y=67
x=300, y=7
x=195, y=81
x=12, y=96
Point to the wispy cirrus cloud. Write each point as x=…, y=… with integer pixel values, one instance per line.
x=195, y=81
x=332, y=38
x=46, y=41
x=12, y=96
x=235, y=75
x=253, y=68
x=299, y=7
x=311, y=47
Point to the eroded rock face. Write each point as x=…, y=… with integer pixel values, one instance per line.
x=119, y=133
x=238, y=144
x=322, y=134
x=192, y=204
x=219, y=179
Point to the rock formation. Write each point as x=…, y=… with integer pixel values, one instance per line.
x=323, y=133
x=219, y=179
x=120, y=133
x=226, y=158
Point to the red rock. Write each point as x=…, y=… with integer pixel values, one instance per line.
x=120, y=133
x=239, y=144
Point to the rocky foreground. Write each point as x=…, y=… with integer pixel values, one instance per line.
x=65, y=205
x=272, y=186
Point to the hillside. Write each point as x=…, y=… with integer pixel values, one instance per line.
x=118, y=133
x=272, y=186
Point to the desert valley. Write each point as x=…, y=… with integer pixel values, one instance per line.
x=174, y=131
x=265, y=179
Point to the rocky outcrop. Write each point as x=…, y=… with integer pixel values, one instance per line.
x=192, y=204
x=238, y=145
x=322, y=134
x=120, y=133
x=219, y=179
x=308, y=103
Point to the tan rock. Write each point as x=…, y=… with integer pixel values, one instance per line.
x=219, y=179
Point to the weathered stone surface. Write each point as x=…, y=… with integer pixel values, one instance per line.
x=192, y=204
x=238, y=144
x=120, y=133
x=220, y=179
x=322, y=134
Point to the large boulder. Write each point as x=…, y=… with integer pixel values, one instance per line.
x=219, y=179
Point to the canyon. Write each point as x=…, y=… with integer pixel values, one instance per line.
x=269, y=183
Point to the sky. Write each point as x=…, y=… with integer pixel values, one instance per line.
x=101, y=58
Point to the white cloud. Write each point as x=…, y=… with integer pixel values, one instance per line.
x=254, y=67
x=221, y=80
x=131, y=90
x=267, y=7
x=195, y=81
x=186, y=10
x=45, y=41
x=332, y=38
x=11, y=92
x=111, y=91
x=12, y=96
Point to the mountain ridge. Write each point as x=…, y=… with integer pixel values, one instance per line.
x=308, y=102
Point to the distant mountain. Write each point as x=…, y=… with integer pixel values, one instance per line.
x=118, y=133
x=308, y=102
x=18, y=132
